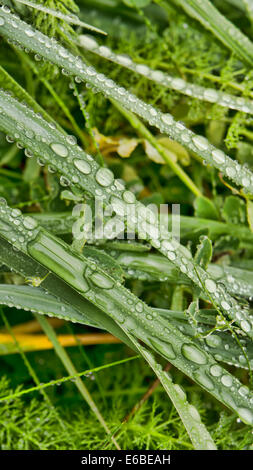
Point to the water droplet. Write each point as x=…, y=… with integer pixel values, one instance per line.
x=82, y=166
x=218, y=156
x=102, y=280
x=210, y=285
x=2, y=21
x=194, y=413
x=193, y=353
x=227, y=380
x=246, y=415
x=129, y=197
x=165, y=349
x=104, y=176
x=118, y=205
x=29, y=223
x=245, y=326
x=59, y=149
x=202, y=378
x=200, y=142
x=210, y=94
x=215, y=370
x=139, y=307
x=213, y=341
x=244, y=391
x=71, y=139
x=167, y=119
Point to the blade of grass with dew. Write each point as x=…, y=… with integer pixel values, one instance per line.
x=12, y=86
x=35, y=300
x=23, y=35
x=93, y=283
x=62, y=223
x=66, y=379
x=53, y=148
x=71, y=19
x=237, y=281
x=189, y=415
x=178, y=84
x=39, y=276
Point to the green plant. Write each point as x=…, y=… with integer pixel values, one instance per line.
x=81, y=283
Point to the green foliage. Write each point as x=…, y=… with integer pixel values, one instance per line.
x=164, y=107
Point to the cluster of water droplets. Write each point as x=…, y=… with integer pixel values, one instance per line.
x=207, y=94
x=16, y=228
x=78, y=168
x=50, y=50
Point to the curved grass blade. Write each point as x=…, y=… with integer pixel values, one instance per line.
x=94, y=284
x=178, y=84
x=70, y=368
x=221, y=345
x=189, y=415
x=22, y=264
x=23, y=35
x=36, y=300
x=71, y=19
x=237, y=281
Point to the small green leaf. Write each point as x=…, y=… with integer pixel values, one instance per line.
x=205, y=208
x=234, y=210
x=204, y=251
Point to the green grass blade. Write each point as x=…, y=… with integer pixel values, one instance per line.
x=93, y=283
x=71, y=19
x=178, y=84
x=69, y=366
x=189, y=415
x=55, y=147
x=223, y=29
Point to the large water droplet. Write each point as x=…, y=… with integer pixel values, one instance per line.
x=227, y=380
x=213, y=341
x=165, y=349
x=246, y=415
x=102, y=280
x=210, y=285
x=202, y=378
x=82, y=166
x=200, y=142
x=104, y=176
x=29, y=223
x=193, y=353
x=215, y=370
x=59, y=149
